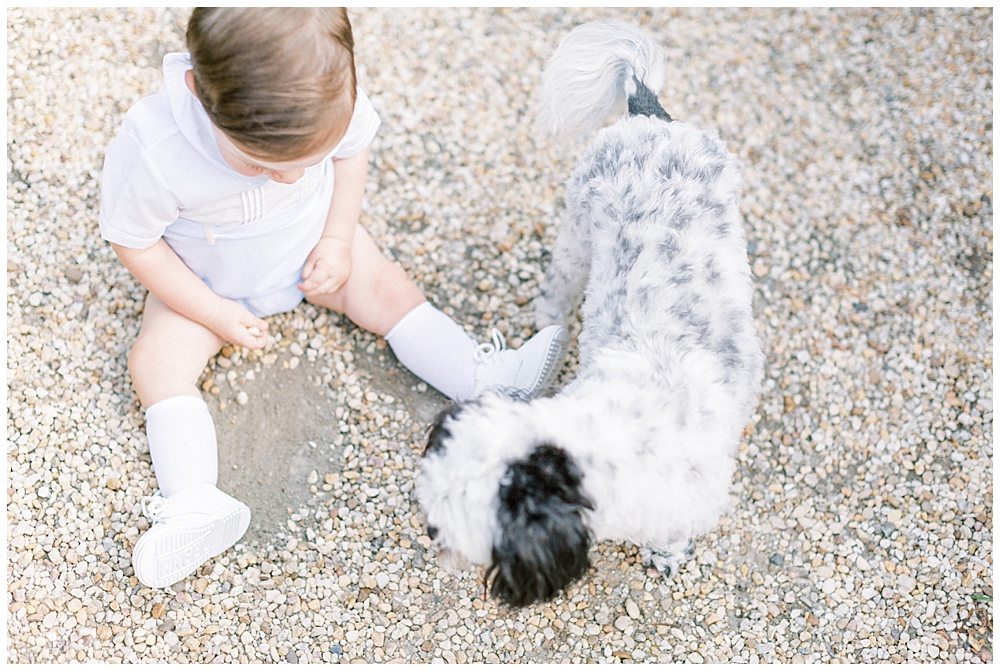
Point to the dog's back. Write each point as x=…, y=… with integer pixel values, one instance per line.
x=653, y=211
x=669, y=275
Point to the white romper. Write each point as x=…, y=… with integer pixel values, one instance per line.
x=247, y=238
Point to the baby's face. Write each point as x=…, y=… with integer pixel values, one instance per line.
x=285, y=172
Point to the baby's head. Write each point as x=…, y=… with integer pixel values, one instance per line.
x=279, y=82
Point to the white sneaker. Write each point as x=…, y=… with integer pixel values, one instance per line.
x=525, y=371
x=190, y=527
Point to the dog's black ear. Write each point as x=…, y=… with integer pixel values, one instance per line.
x=543, y=542
x=437, y=434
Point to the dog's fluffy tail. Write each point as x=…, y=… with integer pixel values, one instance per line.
x=597, y=68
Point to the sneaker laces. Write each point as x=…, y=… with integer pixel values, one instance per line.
x=154, y=506
x=487, y=350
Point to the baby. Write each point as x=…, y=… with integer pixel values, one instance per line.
x=232, y=195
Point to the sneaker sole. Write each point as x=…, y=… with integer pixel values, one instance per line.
x=179, y=552
x=553, y=361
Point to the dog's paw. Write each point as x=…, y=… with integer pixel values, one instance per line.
x=668, y=561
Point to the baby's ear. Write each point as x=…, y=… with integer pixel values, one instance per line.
x=189, y=80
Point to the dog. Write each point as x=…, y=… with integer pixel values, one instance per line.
x=641, y=445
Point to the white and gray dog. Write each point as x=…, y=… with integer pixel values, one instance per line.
x=641, y=446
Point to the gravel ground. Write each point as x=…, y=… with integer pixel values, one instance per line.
x=861, y=526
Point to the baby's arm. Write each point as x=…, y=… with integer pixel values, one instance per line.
x=162, y=272
x=329, y=263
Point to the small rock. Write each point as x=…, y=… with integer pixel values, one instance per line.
x=906, y=584
x=623, y=623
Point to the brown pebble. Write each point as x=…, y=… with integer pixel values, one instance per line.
x=158, y=610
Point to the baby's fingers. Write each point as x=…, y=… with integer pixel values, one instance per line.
x=309, y=267
x=257, y=334
x=314, y=280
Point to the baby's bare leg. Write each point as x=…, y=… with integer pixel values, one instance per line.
x=165, y=362
x=169, y=355
x=377, y=294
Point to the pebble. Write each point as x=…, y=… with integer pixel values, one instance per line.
x=866, y=139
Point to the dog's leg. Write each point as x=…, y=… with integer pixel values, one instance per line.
x=566, y=276
x=668, y=561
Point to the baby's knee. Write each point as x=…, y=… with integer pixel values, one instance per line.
x=151, y=358
x=140, y=357
x=395, y=290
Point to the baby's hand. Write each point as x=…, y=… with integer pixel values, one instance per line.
x=234, y=323
x=327, y=268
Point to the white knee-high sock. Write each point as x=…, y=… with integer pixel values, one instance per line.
x=436, y=349
x=182, y=443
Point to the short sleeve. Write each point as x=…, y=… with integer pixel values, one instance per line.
x=136, y=203
x=361, y=132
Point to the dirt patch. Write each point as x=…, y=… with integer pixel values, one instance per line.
x=286, y=430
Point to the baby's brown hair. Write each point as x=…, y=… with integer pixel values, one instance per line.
x=279, y=82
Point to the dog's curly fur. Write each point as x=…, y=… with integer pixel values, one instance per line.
x=641, y=445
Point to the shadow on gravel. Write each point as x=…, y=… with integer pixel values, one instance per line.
x=268, y=447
